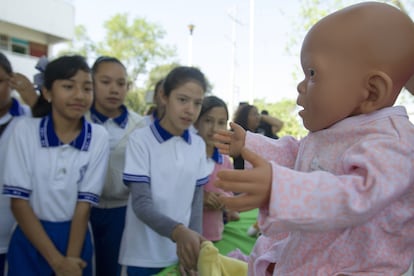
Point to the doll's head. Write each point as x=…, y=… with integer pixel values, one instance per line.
x=355, y=61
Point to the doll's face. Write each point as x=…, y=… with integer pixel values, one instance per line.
x=332, y=88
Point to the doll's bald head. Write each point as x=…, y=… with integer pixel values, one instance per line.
x=375, y=41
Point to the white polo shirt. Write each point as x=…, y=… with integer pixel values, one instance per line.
x=52, y=175
x=16, y=111
x=173, y=166
x=115, y=193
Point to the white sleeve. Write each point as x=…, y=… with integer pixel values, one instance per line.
x=137, y=163
x=17, y=167
x=91, y=185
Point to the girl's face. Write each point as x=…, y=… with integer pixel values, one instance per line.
x=111, y=87
x=253, y=119
x=182, y=107
x=214, y=119
x=71, y=98
x=4, y=91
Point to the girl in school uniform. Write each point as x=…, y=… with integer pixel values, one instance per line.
x=214, y=115
x=54, y=172
x=165, y=167
x=108, y=218
x=10, y=110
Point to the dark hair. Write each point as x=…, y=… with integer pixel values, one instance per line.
x=103, y=59
x=61, y=68
x=180, y=75
x=242, y=114
x=211, y=102
x=158, y=85
x=5, y=64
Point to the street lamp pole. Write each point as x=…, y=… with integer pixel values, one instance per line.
x=251, y=53
x=190, y=44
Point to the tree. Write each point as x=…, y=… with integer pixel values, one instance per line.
x=81, y=44
x=285, y=110
x=136, y=43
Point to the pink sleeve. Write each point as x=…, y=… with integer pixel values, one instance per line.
x=228, y=166
x=371, y=180
x=282, y=151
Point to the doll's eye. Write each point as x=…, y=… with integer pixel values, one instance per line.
x=311, y=72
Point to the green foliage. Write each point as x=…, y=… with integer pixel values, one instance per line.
x=136, y=43
x=135, y=100
x=81, y=44
x=286, y=111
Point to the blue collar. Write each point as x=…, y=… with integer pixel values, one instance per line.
x=16, y=108
x=99, y=118
x=48, y=137
x=163, y=135
x=217, y=156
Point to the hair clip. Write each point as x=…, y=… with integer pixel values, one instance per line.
x=38, y=78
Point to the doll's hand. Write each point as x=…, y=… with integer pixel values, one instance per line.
x=188, y=247
x=212, y=201
x=230, y=142
x=253, y=184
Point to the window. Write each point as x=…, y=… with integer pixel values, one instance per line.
x=4, y=42
x=19, y=46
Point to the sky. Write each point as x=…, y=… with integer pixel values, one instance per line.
x=213, y=41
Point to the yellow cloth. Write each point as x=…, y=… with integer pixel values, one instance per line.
x=211, y=263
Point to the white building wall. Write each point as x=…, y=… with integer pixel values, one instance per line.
x=56, y=18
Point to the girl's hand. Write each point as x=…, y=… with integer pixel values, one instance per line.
x=253, y=184
x=188, y=247
x=68, y=266
x=232, y=215
x=230, y=142
x=24, y=86
x=211, y=201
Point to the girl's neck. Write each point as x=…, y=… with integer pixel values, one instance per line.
x=113, y=113
x=166, y=124
x=66, y=130
x=209, y=150
x=5, y=109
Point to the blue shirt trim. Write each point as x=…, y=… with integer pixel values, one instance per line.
x=48, y=137
x=13, y=191
x=217, y=156
x=163, y=135
x=128, y=178
x=16, y=108
x=121, y=120
x=89, y=197
x=202, y=181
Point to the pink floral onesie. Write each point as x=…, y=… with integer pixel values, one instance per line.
x=344, y=195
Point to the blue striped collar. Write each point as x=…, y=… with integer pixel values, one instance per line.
x=48, y=137
x=217, y=156
x=16, y=108
x=99, y=118
x=163, y=135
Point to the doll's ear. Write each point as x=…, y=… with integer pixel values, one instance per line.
x=379, y=92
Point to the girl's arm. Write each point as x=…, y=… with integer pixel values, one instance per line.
x=143, y=207
x=196, y=219
x=188, y=241
x=78, y=229
x=33, y=230
x=273, y=121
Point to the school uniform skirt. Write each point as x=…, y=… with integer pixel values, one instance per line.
x=24, y=259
